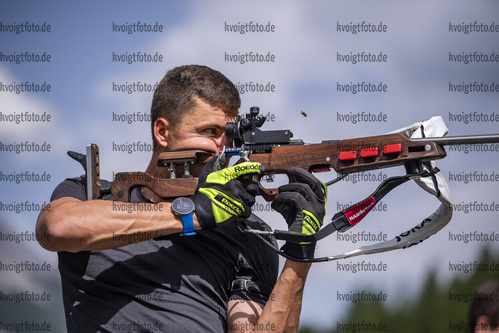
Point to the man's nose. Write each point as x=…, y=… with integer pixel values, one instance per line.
x=223, y=142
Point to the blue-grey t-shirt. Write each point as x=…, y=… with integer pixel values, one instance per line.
x=167, y=284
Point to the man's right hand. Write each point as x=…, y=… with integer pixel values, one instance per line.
x=225, y=195
x=303, y=206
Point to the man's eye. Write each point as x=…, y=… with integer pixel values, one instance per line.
x=211, y=131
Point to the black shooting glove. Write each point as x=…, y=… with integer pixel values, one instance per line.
x=226, y=194
x=303, y=205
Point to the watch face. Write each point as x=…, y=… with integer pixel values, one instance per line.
x=183, y=206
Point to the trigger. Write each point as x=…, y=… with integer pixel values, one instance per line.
x=221, y=160
x=244, y=154
x=269, y=178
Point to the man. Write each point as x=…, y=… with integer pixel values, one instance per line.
x=174, y=280
x=483, y=314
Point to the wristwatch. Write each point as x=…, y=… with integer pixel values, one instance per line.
x=184, y=207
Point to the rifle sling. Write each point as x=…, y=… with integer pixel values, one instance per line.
x=340, y=221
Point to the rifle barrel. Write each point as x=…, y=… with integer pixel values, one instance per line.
x=462, y=140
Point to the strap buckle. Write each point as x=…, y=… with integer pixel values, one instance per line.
x=240, y=284
x=258, y=287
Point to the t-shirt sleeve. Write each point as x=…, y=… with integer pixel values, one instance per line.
x=71, y=187
x=76, y=188
x=257, y=264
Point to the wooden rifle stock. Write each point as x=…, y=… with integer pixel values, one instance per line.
x=181, y=163
x=344, y=156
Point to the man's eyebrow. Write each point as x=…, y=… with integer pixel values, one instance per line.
x=218, y=126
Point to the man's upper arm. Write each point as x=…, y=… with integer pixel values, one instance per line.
x=257, y=266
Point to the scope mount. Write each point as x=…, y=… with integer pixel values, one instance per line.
x=247, y=135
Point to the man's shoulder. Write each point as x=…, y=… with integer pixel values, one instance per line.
x=74, y=187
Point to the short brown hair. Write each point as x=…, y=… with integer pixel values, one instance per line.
x=485, y=303
x=175, y=94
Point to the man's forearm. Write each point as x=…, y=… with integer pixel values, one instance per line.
x=284, y=306
x=73, y=225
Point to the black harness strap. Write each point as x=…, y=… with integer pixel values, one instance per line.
x=259, y=287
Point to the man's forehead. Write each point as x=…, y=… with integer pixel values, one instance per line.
x=206, y=110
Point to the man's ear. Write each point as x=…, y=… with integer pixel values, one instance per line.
x=161, y=131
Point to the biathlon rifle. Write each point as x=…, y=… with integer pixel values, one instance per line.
x=278, y=153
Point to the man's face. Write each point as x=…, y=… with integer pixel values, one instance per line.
x=201, y=128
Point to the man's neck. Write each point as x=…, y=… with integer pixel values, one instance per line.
x=152, y=168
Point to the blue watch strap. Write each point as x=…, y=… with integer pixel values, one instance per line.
x=188, y=223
